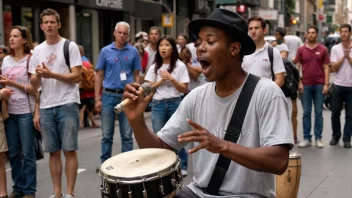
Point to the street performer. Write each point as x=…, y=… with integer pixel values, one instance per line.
x=262, y=149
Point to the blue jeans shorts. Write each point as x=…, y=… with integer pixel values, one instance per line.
x=59, y=126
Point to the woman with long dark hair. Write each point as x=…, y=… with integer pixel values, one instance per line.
x=19, y=125
x=169, y=76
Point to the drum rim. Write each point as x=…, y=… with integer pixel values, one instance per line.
x=140, y=179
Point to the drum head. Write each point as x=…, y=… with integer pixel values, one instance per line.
x=137, y=164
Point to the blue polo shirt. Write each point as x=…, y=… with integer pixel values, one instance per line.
x=114, y=61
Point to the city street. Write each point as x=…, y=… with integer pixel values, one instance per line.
x=326, y=173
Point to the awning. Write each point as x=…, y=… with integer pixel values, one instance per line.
x=251, y=3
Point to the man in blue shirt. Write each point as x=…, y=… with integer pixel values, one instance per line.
x=118, y=65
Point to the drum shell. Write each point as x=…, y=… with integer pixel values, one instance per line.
x=287, y=184
x=152, y=188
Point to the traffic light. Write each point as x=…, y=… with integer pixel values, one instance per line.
x=241, y=8
x=294, y=21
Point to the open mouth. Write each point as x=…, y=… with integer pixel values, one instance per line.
x=163, y=53
x=205, y=65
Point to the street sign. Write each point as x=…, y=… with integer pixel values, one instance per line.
x=167, y=20
x=321, y=17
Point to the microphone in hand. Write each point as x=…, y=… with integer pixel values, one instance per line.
x=145, y=88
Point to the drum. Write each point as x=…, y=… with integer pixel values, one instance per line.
x=142, y=173
x=287, y=185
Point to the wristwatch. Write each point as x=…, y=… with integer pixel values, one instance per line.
x=97, y=99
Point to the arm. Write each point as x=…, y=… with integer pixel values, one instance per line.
x=99, y=76
x=137, y=77
x=193, y=71
x=327, y=74
x=144, y=137
x=280, y=79
x=36, y=116
x=181, y=87
x=28, y=88
x=336, y=65
x=71, y=78
x=35, y=81
x=272, y=159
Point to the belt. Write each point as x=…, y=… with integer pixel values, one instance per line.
x=118, y=91
x=170, y=99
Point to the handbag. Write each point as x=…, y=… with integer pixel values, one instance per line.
x=38, y=145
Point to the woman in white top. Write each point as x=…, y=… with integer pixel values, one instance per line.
x=19, y=126
x=170, y=78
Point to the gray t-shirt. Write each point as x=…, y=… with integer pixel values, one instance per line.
x=266, y=124
x=282, y=47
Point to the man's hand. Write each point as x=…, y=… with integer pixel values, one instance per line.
x=136, y=108
x=43, y=71
x=98, y=106
x=325, y=89
x=206, y=140
x=36, y=119
x=346, y=52
x=6, y=93
x=300, y=88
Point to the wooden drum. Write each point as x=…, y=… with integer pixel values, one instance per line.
x=287, y=184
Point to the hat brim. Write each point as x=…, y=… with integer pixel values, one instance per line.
x=247, y=44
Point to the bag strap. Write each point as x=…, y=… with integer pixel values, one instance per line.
x=29, y=78
x=271, y=59
x=66, y=53
x=233, y=133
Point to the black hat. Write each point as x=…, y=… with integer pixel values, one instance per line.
x=230, y=22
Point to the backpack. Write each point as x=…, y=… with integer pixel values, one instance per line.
x=290, y=87
x=88, y=75
x=88, y=80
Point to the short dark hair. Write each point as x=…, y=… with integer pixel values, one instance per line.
x=184, y=36
x=50, y=12
x=281, y=31
x=313, y=27
x=346, y=26
x=258, y=18
x=155, y=28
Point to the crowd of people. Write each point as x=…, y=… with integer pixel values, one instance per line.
x=42, y=90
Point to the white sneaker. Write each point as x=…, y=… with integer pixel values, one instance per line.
x=68, y=196
x=184, y=173
x=319, y=143
x=304, y=143
x=54, y=196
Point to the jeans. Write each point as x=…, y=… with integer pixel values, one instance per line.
x=109, y=101
x=20, y=138
x=339, y=96
x=59, y=126
x=313, y=93
x=162, y=110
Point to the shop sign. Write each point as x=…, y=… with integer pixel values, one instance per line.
x=118, y=4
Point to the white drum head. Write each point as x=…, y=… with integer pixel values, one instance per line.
x=137, y=164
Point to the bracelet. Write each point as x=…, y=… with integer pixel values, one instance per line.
x=25, y=88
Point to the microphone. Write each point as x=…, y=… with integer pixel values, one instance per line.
x=144, y=88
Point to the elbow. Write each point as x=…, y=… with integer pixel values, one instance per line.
x=281, y=82
x=281, y=167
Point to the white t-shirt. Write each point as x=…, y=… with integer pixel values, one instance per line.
x=266, y=124
x=343, y=76
x=293, y=43
x=282, y=47
x=55, y=92
x=258, y=63
x=151, y=57
x=17, y=71
x=167, y=89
